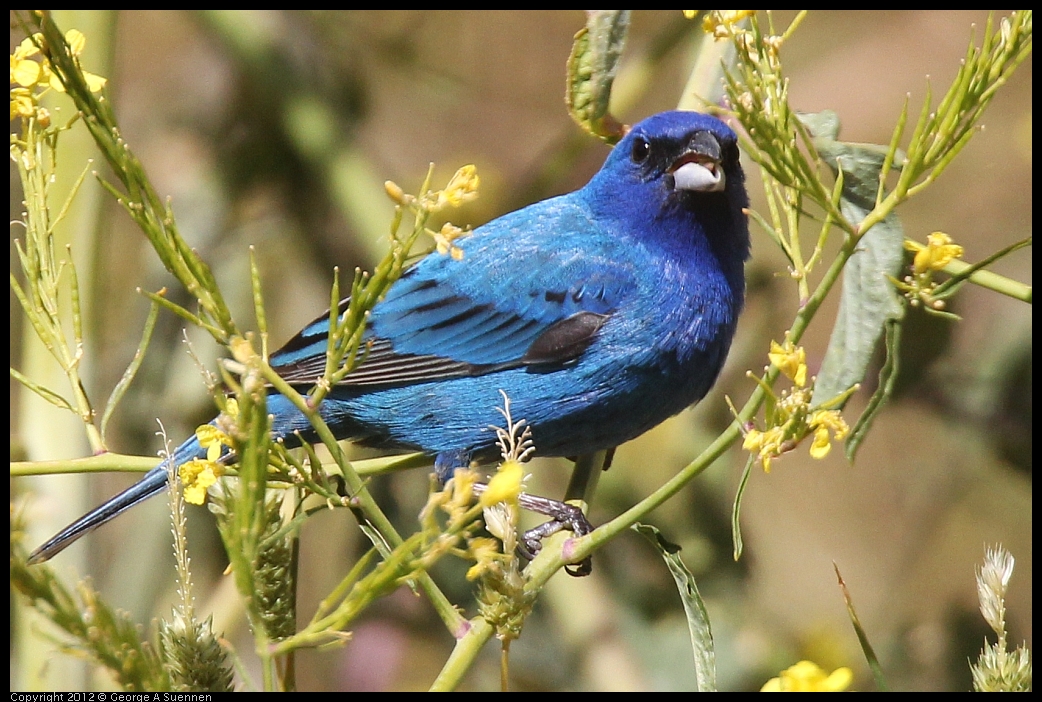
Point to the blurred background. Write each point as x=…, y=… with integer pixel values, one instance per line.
x=277, y=129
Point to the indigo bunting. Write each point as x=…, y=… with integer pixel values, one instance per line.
x=600, y=313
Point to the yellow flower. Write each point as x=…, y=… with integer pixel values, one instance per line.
x=821, y=422
x=76, y=41
x=485, y=552
x=939, y=251
x=716, y=22
x=30, y=74
x=821, y=445
x=94, y=82
x=790, y=360
x=461, y=493
x=25, y=72
x=753, y=440
x=768, y=445
x=198, y=474
x=809, y=677
x=445, y=238
x=505, y=485
x=196, y=477
x=22, y=104
x=463, y=187
x=27, y=48
x=213, y=440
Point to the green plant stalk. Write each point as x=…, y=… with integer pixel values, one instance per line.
x=128, y=375
x=547, y=563
x=992, y=281
x=363, y=499
x=40, y=301
x=125, y=463
x=463, y=655
x=141, y=201
x=45, y=432
x=355, y=592
x=244, y=526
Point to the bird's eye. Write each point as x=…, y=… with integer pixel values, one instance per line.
x=641, y=150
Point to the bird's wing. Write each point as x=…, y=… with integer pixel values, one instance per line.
x=533, y=288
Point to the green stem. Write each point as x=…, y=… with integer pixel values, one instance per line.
x=448, y=613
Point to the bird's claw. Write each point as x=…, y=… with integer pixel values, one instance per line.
x=563, y=516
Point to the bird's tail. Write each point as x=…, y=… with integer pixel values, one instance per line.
x=153, y=483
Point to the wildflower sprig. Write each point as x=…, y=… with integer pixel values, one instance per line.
x=790, y=417
x=139, y=198
x=502, y=598
x=809, y=172
x=49, y=290
x=505, y=593
x=448, y=523
x=998, y=669
x=919, y=286
x=192, y=654
x=461, y=189
x=199, y=474
x=32, y=77
x=758, y=94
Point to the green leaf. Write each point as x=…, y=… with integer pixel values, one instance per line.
x=592, y=65
x=736, y=525
x=694, y=608
x=862, y=636
x=887, y=377
x=869, y=300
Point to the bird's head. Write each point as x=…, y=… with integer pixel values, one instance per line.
x=682, y=171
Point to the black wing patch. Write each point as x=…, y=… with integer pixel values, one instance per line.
x=565, y=340
x=381, y=366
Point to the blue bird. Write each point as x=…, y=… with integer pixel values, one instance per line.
x=600, y=313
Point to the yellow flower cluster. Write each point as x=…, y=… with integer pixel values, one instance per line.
x=198, y=474
x=792, y=420
x=505, y=485
x=719, y=22
x=462, y=188
x=445, y=238
x=32, y=78
x=919, y=287
x=809, y=677
x=790, y=360
x=939, y=251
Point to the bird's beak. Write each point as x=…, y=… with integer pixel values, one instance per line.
x=698, y=168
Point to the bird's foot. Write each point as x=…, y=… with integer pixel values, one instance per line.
x=562, y=516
